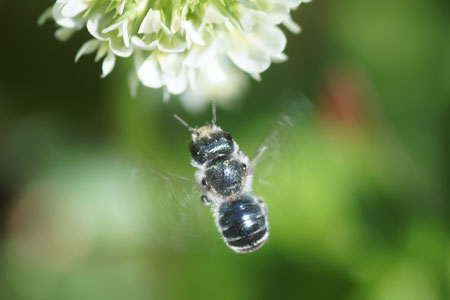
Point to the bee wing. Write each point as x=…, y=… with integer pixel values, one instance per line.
x=172, y=203
x=284, y=137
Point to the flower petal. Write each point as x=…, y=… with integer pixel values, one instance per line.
x=102, y=51
x=152, y=23
x=270, y=38
x=45, y=16
x=246, y=55
x=148, y=70
x=87, y=48
x=108, y=64
x=279, y=58
x=118, y=47
x=176, y=85
x=133, y=83
x=291, y=25
x=63, y=34
x=192, y=36
x=172, y=44
x=171, y=64
x=93, y=26
x=74, y=8
x=215, y=73
x=139, y=43
x=199, y=56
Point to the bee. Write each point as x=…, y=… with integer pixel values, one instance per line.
x=225, y=175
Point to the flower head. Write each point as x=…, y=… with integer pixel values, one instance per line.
x=180, y=45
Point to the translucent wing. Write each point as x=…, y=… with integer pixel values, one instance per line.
x=172, y=202
x=283, y=139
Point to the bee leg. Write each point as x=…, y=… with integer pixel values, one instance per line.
x=205, y=200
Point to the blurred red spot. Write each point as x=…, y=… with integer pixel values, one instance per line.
x=342, y=97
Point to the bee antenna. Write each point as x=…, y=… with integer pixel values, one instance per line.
x=184, y=123
x=213, y=121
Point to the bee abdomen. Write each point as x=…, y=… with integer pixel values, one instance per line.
x=243, y=224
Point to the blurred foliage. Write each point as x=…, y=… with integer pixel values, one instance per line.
x=97, y=194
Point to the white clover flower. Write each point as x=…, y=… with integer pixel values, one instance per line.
x=191, y=46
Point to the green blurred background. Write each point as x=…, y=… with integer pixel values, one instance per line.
x=358, y=196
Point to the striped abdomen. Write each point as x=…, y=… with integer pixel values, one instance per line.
x=243, y=224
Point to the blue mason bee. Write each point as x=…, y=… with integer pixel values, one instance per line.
x=225, y=174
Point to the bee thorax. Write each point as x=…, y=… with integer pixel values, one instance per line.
x=224, y=175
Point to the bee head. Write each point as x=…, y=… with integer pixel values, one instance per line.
x=209, y=142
